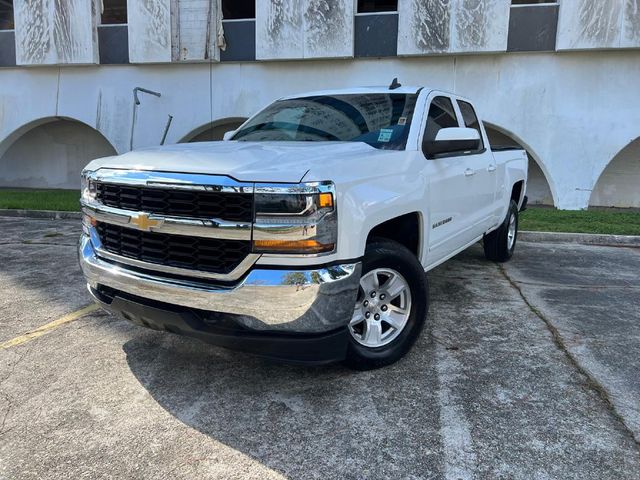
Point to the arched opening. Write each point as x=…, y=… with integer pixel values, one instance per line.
x=50, y=153
x=538, y=187
x=619, y=183
x=213, y=131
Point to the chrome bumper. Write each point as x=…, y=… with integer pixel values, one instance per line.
x=310, y=301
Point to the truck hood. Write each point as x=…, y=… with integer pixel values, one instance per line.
x=243, y=161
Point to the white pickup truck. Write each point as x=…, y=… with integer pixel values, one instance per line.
x=305, y=235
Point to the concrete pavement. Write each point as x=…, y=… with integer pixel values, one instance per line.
x=525, y=371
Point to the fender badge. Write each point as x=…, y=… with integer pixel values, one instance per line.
x=442, y=222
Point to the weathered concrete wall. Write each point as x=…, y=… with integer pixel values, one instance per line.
x=588, y=24
x=149, y=31
x=545, y=101
x=631, y=24
x=619, y=184
x=452, y=26
x=195, y=27
x=538, y=189
x=290, y=29
x=51, y=32
x=215, y=131
x=52, y=155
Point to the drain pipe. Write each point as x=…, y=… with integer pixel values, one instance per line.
x=136, y=102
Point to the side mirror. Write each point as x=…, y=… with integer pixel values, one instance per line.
x=452, y=140
x=227, y=135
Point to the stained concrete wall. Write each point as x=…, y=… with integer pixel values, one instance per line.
x=538, y=190
x=195, y=28
x=51, y=32
x=52, y=155
x=452, y=26
x=589, y=24
x=292, y=29
x=213, y=132
x=54, y=32
x=149, y=31
x=546, y=101
x=619, y=184
x=162, y=31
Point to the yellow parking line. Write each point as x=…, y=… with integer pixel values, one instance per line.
x=38, y=332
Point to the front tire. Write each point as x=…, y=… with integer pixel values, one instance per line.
x=391, y=307
x=500, y=244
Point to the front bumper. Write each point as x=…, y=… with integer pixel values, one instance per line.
x=267, y=301
x=220, y=330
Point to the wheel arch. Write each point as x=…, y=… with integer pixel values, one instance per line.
x=517, y=192
x=406, y=229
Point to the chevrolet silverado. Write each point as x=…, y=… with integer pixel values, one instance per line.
x=306, y=234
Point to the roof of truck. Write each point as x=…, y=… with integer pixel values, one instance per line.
x=356, y=90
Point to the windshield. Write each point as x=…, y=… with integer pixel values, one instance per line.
x=381, y=120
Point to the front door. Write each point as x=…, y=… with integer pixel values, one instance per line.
x=451, y=190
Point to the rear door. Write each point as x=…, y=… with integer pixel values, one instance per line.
x=451, y=193
x=481, y=167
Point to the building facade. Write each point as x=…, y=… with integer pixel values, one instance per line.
x=80, y=79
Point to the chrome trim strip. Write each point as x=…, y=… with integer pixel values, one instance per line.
x=170, y=180
x=192, y=227
x=296, y=188
x=232, y=276
x=305, y=301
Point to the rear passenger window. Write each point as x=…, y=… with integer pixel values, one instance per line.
x=441, y=115
x=470, y=119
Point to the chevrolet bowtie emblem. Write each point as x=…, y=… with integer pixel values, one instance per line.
x=143, y=222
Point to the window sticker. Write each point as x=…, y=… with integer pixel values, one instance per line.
x=385, y=135
x=402, y=121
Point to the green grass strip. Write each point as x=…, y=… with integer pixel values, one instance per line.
x=612, y=222
x=27, y=199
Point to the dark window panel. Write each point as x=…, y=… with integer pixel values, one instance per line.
x=114, y=12
x=6, y=15
x=241, y=41
x=373, y=6
x=441, y=115
x=376, y=35
x=533, y=28
x=238, y=9
x=7, y=49
x=113, y=44
x=470, y=119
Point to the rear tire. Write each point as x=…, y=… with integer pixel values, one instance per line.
x=500, y=244
x=391, y=308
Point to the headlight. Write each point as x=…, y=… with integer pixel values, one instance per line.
x=87, y=194
x=87, y=187
x=299, y=218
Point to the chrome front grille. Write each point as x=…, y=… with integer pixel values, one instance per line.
x=231, y=206
x=202, y=254
x=181, y=224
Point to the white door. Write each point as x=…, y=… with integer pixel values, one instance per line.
x=451, y=190
x=481, y=168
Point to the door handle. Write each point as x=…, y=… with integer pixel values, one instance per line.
x=491, y=168
x=469, y=172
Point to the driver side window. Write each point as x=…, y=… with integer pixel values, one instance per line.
x=441, y=115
